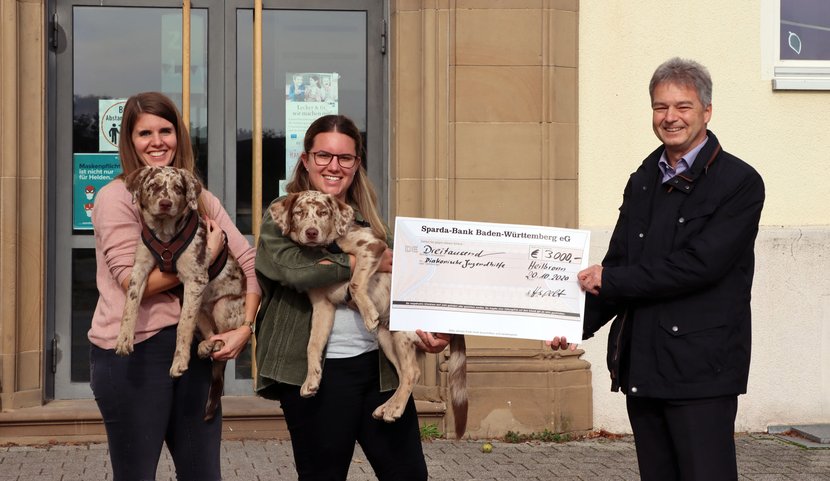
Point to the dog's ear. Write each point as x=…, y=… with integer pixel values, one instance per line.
x=281, y=212
x=193, y=188
x=134, y=180
x=343, y=215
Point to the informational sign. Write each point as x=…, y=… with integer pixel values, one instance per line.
x=110, y=112
x=90, y=173
x=499, y=280
x=307, y=97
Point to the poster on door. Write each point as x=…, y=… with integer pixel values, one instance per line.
x=307, y=97
x=90, y=173
x=110, y=112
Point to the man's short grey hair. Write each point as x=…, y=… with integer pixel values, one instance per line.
x=684, y=72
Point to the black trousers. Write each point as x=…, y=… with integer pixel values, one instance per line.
x=685, y=440
x=143, y=407
x=325, y=427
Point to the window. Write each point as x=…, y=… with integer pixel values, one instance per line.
x=796, y=38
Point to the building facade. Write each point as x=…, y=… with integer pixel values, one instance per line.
x=460, y=124
x=522, y=111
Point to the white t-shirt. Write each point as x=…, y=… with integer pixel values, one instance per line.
x=349, y=337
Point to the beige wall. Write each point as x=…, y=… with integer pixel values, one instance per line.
x=622, y=42
x=22, y=203
x=783, y=134
x=484, y=124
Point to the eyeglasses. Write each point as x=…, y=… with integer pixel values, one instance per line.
x=323, y=158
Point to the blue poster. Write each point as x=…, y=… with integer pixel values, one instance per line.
x=91, y=172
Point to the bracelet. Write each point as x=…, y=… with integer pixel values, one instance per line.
x=251, y=327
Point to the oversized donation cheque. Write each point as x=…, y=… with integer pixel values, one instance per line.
x=487, y=279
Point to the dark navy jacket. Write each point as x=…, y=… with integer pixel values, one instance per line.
x=677, y=279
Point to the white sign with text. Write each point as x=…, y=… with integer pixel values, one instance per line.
x=486, y=279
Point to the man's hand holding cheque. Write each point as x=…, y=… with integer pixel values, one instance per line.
x=590, y=281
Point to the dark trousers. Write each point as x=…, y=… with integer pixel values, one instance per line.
x=324, y=428
x=684, y=440
x=143, y=407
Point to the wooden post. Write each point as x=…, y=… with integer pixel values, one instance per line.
x=256, y=146
x=186, y=63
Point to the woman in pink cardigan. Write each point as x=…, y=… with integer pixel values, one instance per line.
x=142, y=406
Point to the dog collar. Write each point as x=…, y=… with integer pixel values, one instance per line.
x=167, y=253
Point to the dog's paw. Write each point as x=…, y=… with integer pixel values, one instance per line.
x=368, y=312
x=309, y=389
x=178, y=368
x=205, y=349
x=312, y=378
x=389, y=411
x=371, y=326
x=124, y=345
x=372, y=320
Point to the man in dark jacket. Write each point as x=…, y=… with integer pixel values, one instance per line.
x=677, y=280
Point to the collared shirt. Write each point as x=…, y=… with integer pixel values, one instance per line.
x=684, y=164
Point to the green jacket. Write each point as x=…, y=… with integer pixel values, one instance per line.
x=285, y=271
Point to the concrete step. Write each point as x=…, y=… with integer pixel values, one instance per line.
x=244, y=417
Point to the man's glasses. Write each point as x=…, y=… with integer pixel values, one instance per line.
x=323, y=158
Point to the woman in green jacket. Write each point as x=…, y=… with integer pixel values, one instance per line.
x=357, y=377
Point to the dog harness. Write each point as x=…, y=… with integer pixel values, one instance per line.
x=220, y=261
x=168, y=253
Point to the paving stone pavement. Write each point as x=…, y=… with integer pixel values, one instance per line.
x=761, y=457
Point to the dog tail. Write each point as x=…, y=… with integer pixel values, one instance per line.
x=457, y=380
x=217, y=386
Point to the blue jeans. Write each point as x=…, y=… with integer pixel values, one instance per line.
x=143, y=407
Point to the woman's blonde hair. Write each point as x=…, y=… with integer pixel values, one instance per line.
x=160, y=105
x=361, y=192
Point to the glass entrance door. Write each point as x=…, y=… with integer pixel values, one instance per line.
x=314, y=62
x=114, y=50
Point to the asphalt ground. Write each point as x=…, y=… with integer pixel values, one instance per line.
x=761, y=457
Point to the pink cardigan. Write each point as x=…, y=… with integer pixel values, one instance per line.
x=117, y=232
